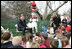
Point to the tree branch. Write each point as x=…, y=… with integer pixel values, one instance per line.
x=39, y=15
x=49, y=6
x=59, y=7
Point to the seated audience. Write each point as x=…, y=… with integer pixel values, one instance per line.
x=54, y=43
x=17, y=42
x=28, y=40
x=42, y=45
x=5, y=40
x=65, y=42
x=35, y=45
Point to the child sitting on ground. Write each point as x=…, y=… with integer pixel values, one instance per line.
x=39, y=39
x=23, y=44
x=58, y=35
x=52, y=30
x=36, y=39
x=17, y=42
x=5, y=40
x=55, y=43
x=47, y=42
x=28, y=40
x=48, y=31
x=63, y=27
x=38, y=34
x=65, y=42
x=44, y=29
x=42, y=45
x=35, y=45
x=59, y=29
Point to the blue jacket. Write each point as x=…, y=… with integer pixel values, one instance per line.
x=44, y=29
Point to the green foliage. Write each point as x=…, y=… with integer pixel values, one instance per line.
x=11, y=26
x=42, y=23
x=48, y=17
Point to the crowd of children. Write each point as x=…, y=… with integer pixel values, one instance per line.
x=49, y=38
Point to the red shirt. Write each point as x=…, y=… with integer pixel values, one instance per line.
x=47, y=43
x=42, y=46
x=68, y=28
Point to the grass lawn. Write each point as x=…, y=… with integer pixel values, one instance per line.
x=11, y=26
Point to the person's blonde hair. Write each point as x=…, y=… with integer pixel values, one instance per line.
x=59, y=35
x=35, y=45
x=17, y=40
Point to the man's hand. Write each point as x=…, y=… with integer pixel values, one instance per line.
x=54, y=25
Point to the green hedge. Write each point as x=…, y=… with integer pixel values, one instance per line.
x=11, y=26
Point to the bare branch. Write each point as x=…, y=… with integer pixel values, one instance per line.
x=59, y=7
x=49, y=6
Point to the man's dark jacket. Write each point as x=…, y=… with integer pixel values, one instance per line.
x=21, y=24
x=57, y=21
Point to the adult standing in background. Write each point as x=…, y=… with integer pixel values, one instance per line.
x=57, y=20
x=69, y=21
x=64, y=21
